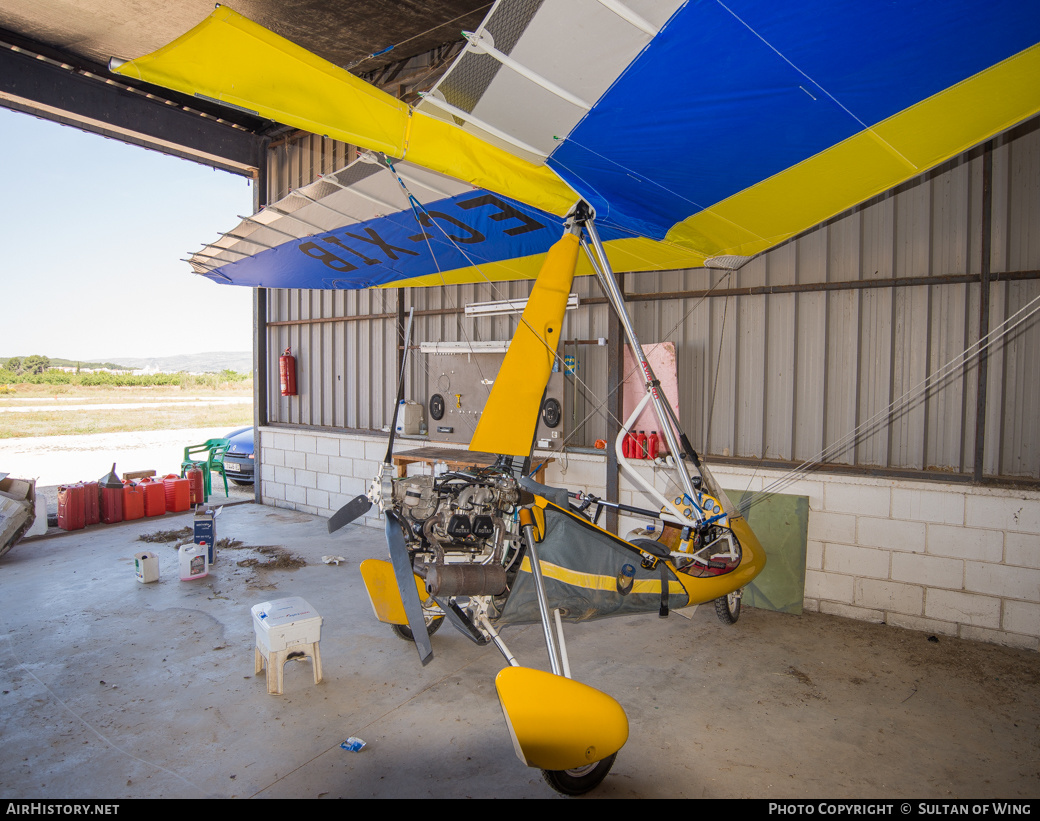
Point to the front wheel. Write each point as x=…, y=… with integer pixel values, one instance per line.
x=581, y=779
x=403, y=631
x=727, y=608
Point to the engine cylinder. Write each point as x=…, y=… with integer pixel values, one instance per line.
x=466, y=580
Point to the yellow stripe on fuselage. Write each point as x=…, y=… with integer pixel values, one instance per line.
x=592, y=581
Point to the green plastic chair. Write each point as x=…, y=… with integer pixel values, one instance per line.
x=214, y=450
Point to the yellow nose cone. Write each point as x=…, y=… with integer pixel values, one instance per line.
x=557, y=723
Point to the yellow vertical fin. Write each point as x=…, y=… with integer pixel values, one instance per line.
x=510, y=416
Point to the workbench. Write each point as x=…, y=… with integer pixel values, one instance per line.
x=456, y=460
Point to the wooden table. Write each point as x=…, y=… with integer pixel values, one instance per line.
x=454, y=459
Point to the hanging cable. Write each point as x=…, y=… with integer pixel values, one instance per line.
x=934, y=380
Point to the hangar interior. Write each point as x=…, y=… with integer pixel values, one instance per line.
x=923, y=502
x=854, y=347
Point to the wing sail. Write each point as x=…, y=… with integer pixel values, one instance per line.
x=231, y=59
x=693, y=130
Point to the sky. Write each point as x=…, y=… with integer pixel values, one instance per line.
x=92, y=234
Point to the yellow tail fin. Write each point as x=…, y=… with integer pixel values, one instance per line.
x=510, y=416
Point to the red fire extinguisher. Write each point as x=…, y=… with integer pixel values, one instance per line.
x=287, y=373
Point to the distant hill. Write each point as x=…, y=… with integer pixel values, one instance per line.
x=238, y=361
x=215, y=362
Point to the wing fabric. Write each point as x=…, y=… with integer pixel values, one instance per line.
x=755, y=120
x=695, y=129
x=235, y=61
x=508, y=422
x=356, y=228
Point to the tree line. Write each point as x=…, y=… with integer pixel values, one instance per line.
x=34, y=364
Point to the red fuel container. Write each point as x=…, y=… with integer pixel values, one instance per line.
x=154, y=497
x=70, y=507
x=133, y=501
x=178, y=497
x=91, y=503
x=111, y=498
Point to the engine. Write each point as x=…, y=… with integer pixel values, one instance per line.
x=461, y=529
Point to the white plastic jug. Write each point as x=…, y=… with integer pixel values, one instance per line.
x=193, y=560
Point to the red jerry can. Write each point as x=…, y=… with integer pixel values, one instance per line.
x=91, y=503
x=287, y=373
x=133, y=501
x=177, y=494
x=70, y=507
x=111, y=498
x=154, y=497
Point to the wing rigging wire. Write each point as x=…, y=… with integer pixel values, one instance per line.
x=416, y=206
x=599, y=404
x=901, y=405
x=934, y=381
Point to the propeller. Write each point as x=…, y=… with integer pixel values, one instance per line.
x=406, y=585
x=354, y=509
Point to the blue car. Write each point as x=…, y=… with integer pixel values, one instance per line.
x=239, y=460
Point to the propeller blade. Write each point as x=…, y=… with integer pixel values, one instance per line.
x=406, y=585
x=354, y=509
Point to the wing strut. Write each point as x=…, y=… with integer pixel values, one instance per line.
x=677, y=443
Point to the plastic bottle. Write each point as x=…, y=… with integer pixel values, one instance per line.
x=641, y=445
x=193, y=562
x=652, y=445
x=625, y=577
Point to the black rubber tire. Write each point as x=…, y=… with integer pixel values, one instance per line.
x=240, y=482
x=403, y=631
x=727, y=608
x=581, y=780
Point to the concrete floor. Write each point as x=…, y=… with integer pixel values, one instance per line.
x=113, y=689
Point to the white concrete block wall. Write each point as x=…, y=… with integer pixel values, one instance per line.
x=943, y=558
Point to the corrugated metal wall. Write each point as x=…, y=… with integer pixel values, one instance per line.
x=784, y=360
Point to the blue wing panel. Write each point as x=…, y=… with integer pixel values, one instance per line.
x=470, y=229
x=729, y=94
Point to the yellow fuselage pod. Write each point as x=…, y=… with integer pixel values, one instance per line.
x=557, y=723
x=752, y=562
x=698, y=589
x=510, y=416
x=381, y=584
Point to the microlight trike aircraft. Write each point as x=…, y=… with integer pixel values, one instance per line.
x=584, y=137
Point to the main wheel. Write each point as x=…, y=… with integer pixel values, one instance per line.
x=727, y=608
x=580, y=780
x=403, y=631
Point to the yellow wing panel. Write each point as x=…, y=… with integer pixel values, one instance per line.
x=868, y=163
x=229, y=58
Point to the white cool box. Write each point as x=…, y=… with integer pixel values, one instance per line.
x=284, y=627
